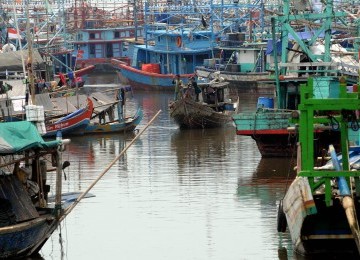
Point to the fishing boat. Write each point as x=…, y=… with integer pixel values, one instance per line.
x=269, y=125
x=173, y=44
x=109, y=113
x=243, y=64
x=27, y=217
x=75, y=121
x=126, y=124
x=214, y=108
x=103, y=33
x=321, y=206
x=145, y=80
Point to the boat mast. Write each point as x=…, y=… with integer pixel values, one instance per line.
x=29, y=64
x=20, y=44
x=274, y=39
x=135, y=18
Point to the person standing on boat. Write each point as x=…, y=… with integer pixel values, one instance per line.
x=178, y=86
x=121, y=98
x=196, y=88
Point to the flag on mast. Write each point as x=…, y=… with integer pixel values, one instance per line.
x=13, y=34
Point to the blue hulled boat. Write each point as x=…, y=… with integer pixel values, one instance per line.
x=179, y=51
x=177, y=39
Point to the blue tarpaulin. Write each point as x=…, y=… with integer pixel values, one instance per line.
x=306, y=35
x=270, y=47
x=302, y=35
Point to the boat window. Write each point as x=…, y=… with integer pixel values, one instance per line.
x=125, y=46
x=79, y=37
x=293, y=100
x=92, y=48
x=116, y=35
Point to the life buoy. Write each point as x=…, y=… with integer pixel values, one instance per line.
x=178, y=41
x=8, y=47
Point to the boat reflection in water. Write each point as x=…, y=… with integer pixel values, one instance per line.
x=261, y=191
x=195, y=147
x=176, y=194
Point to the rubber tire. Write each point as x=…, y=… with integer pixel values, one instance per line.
x=281, y=218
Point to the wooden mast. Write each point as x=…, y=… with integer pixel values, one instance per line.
x=29, y=64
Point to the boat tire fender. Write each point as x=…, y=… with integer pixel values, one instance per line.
x=281, y=218
x=178, y=41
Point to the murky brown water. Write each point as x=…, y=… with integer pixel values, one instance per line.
x=189, y=194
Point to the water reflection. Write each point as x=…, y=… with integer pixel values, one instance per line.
x=262, y=190
x=195, y=148
x=89, y=155
x=271, y=174
x=192, y=194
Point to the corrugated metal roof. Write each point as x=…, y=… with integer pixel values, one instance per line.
x=57, y=107
x=13, y=61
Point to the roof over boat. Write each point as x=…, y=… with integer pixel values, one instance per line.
x=20, y=136
x=183, y=32
x=12, y=61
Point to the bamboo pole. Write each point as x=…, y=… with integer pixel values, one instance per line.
x=347, y=200
x=107, y=169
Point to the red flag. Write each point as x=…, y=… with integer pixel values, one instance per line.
x=13, y=34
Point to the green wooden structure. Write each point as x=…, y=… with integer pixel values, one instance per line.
x=343, y=106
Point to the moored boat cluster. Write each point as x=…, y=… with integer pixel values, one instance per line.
x=301, y=58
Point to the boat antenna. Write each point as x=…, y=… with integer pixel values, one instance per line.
x=82, y=195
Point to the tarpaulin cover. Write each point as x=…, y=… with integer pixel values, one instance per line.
x=20, y=136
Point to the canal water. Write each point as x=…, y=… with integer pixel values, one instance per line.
x=175, y=194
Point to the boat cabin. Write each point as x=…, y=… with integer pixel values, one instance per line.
x=216, y=95
x=99, y=45
x=177, y=51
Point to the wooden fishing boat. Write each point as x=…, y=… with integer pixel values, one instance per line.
x=214, y=109
x=243, y=63
x=321, y=206
x=76, y=121
x=27, y=219
x=126, y=124
x=269, y=125
x=108, y=114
